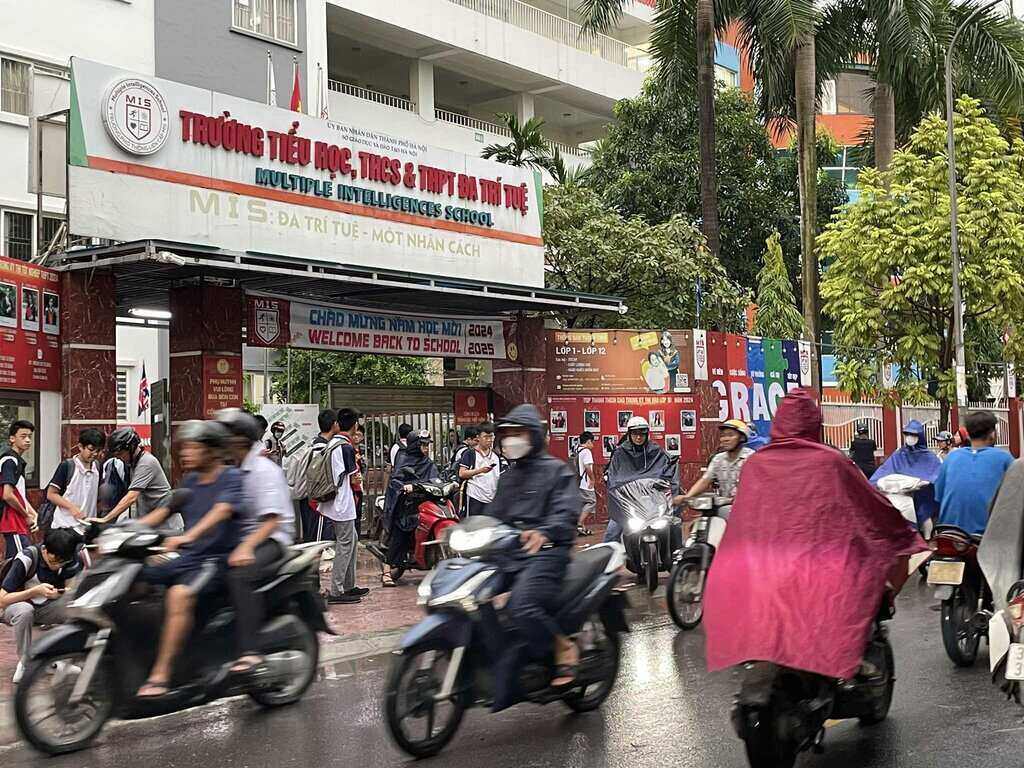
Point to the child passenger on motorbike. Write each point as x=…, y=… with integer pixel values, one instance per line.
x=211, y=533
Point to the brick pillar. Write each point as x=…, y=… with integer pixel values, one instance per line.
x=205, y=350
x=1013, y=417
x=88, y=353
x=891, y=427
x=522, y=378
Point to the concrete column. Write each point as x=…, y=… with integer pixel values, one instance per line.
x=88, y=354
x=1013, y=421
x=522, y=378
x=316, y=50
x=421, y=87
x=524, y=107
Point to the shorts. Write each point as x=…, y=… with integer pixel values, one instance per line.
x=201, y=576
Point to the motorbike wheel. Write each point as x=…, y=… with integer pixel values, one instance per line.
x=651, y=574
x=880, y=709
x=308, y=645
x=604, y=645
x=685, y=605
x=414, y=679
x=958, y=636
x=46, y=719
x=765, y=748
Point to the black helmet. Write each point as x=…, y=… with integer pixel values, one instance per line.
x=862, y=428
x=124, y=439
x=209, y=433
x=240, y=423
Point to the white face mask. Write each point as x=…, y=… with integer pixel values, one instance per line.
x=910, y=440
x=515, y=447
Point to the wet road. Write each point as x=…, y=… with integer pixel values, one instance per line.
x=665, y=710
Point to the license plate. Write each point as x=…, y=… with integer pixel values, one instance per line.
x=1015, y=662
x=946, y=572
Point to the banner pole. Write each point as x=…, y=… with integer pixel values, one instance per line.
x=288, y=364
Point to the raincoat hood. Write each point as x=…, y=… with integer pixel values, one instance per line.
x=527, y=416
x=806, y=556
x=915, y=427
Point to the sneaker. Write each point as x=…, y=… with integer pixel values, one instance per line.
x=18, y=672
x=343, y=599
x=357, y=591
x=328, y=554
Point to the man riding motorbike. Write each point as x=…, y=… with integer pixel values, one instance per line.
x=724, y=467
x=402, y=522
x=806, y=557
x=540, y=495
x=636, y=457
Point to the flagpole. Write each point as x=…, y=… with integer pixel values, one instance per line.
x=271, y=84
x=319, y=90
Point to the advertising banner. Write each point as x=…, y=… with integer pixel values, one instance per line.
x=222, y=383
x=153, y=158
x=29, y=327
x=275, y=322
x=626, y=361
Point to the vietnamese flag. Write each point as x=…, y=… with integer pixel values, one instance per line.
x=296, y=103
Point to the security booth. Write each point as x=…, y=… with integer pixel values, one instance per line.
x=242, y=223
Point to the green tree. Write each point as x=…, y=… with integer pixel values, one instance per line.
x=888, y=281
x=344, y=368
x=664, y=272
x=528, y=147
x=777, y=315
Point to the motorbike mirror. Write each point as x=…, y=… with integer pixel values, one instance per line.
x=1015, y=591
x=179, y=498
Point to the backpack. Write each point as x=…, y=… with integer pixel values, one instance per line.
x=33, y=555
x=319, y=475
x=295, y=472
x=46, y=510
x=113, y=484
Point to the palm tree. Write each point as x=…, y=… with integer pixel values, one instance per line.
x=528, y=147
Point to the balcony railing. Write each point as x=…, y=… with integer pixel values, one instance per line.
x=560, y=30
x=375, y=96
x=477, y=124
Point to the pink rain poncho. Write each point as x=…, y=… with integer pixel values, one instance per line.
x=801, y=571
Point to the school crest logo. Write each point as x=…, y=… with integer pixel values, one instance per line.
x=136, y=116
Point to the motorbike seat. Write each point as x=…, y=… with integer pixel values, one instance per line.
x=584, y=567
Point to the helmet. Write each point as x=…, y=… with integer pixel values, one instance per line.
x=278, y=426
x=944, y=437
x=240, y=423
x=862, y=428
x=124, y=439
x=639, y=423
x=209, y=433
x=738, y=426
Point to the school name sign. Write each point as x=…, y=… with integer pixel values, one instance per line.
x=152, y=158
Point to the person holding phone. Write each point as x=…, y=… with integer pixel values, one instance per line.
x=480, y=469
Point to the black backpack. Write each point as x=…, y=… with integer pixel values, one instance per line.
x=113, y=485
x=33, y=554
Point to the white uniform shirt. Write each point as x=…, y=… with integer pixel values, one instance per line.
x=266, y=495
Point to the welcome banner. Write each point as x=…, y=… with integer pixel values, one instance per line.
x=275, y=322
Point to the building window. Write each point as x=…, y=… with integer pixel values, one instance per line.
x=846, y=170
x=269, y=18
x=51, y=225
x=853, y=94
x=22, y=405
x=726, y=76
x=18, y=235
x=15, y=77
x=122, y=395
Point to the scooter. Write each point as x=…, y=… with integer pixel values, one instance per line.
x=651, y=532
x=81, y=674
x=445, y=663
x=780, y=712
x=436, y=508
x=685, y=591
x=961, y=586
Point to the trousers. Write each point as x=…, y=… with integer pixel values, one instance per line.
x=250, y=608
x=343, y=568
x=22, y=616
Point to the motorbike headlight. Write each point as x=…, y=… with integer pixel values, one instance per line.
x=659, y=524
x=469, y=541
x=635, y=524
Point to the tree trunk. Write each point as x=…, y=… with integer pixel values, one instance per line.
x=885, y=126
x=706, y=103
x=808, y=161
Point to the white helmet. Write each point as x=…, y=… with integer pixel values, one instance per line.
x=638, y=422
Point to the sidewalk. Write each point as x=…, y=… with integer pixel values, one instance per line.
x=369, y=628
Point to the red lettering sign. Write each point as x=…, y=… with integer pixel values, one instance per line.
x=29, y=327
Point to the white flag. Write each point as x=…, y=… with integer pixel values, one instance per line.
x=271, y=85
x=325, y=109
x=700, y=355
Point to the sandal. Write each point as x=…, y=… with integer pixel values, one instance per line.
x=246, y=664
x=152, y=689
x=386, y=580
x=564, y=676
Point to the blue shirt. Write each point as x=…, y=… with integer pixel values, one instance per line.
x=967, y=482
x=227, y=489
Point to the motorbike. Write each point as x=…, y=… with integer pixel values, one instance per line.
x=961, y=586
x=685, y=591
x=83, y=673
x=436, y=507
x=445, y=663
x=651, y=532
x=781, y=712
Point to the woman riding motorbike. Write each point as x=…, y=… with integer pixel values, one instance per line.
x=636, y=457
x=412, y=465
